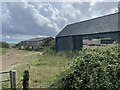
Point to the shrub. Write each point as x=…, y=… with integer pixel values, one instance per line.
x=4, y=45
x=49, y=48
x=52, y=45
x=95, y=69
x=68, y=54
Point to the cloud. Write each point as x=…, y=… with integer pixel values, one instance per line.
x=80, y=11
x=26, y=19
x=0, y=20
x=48, y=11
x=22, y=20
x=18, y=38
x=52, y=12
x=103, y=8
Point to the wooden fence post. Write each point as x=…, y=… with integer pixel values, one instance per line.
x=13, y=79
x=26, y=80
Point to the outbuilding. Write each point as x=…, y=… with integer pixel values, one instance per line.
x=35, y=43
x=106, y=28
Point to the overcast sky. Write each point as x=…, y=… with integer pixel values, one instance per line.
x=24, y=20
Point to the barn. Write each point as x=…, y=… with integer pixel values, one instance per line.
x=105, y=27
x=34, y=43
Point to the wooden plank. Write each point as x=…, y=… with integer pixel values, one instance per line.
x=4, y=72
x=4, y=81
x=13, y=79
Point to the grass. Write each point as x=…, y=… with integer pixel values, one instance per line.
x=43, y=68
x=3, y=51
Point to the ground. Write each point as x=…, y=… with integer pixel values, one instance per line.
x=12, y=56
x=43, y=68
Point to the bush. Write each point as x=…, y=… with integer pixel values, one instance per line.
x=4, y=45
x=68, y=54
x=52, y=45
x=17, y=46
x=95, y=69
x=49, y=48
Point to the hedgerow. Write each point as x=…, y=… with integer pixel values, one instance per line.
x=94, y=68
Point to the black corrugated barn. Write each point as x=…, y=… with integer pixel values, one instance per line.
x=71, y=37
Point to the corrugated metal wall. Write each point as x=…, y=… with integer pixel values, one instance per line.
x=68, y=43
x=64, y=43
x=119, y=27
x=77, y=42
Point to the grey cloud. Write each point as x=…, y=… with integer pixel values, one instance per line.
x=0, y=20
x=48, y=11
x=87, y=10
x=76, y=11
x=27, y=20
x=30, y=19
x=17, y=38
x=103, y=8
x=52, y=11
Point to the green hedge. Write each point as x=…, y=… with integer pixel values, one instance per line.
x=4, y=45
x=94, y=69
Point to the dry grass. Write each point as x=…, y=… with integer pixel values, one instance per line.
x=43, y=68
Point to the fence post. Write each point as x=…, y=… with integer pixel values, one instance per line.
x=13, y=79
x=26, y=80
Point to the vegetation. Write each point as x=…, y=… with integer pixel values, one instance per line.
x=91, y=68
x=43, y=67
x=3, y=51
x=94, y=68
x=48, y=46
x=4, y=45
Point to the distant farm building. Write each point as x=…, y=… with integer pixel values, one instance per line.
x=101, y=30
x=34, y=43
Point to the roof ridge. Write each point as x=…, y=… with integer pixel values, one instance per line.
x=93, y=18
x=100, y=24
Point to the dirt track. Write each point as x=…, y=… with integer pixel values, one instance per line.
x=13, y=56
x=8, y=59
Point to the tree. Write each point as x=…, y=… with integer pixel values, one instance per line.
x=4, y=45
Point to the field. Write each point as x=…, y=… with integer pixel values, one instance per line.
x=92, y=67
x=43, y=68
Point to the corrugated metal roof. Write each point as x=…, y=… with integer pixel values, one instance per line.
x=37, y=39
x=108, y=23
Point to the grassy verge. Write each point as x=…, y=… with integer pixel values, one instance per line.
x=43, y=68
x=3, y=51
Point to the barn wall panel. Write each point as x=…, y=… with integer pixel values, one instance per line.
x=64, y=43
x=77, y=42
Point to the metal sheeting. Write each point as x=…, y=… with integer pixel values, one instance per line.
x=64, y=43
x=108, y=23
x=69, y=43
x=36, y=39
